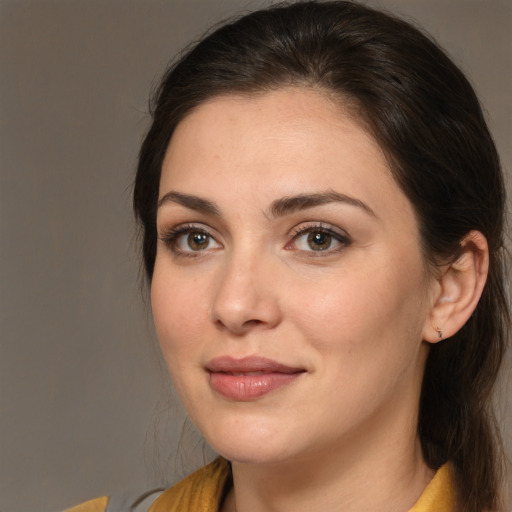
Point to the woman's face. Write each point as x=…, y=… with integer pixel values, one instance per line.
x=289, y=293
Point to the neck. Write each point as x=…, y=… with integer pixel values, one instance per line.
x=310, y=486
x=378, y=467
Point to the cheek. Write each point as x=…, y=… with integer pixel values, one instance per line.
x=367, y=344
x=368, y=318
x=179, y=310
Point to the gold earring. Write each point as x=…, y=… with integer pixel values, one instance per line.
x=439, y=333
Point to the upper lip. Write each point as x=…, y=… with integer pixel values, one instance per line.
x=228, y=364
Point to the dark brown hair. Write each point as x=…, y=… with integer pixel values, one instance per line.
x=424, y=113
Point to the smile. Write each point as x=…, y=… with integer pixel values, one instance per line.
x=249, y=378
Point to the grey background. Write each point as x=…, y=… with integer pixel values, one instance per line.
x=84, y=403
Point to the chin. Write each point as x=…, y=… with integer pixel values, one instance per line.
x=252, y=453
x=250, y=444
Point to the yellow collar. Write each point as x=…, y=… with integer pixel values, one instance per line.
x=202, y=491
x=439, y=496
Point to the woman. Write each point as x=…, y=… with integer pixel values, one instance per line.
x=322, y=210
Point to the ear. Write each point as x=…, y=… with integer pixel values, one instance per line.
x=458, y=289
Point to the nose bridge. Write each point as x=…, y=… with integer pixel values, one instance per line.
x=245, y=295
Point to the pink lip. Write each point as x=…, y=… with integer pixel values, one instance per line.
x=250, y=377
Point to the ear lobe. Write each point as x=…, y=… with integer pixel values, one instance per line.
x=460, y=287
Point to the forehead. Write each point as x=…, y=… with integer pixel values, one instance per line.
x=294, y=127
x=286, y=108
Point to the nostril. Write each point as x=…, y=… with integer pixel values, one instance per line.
x=238, y=328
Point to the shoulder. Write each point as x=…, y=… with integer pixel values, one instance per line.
x=202, y=490
x=125, y=502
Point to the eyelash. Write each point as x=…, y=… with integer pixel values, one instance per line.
x=172, y=237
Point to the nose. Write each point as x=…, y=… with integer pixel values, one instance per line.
x=246, y=295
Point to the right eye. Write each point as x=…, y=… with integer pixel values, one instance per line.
x=189, y=239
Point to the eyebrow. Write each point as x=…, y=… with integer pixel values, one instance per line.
x=191, y=202
x=278, y=208
x=291, y=204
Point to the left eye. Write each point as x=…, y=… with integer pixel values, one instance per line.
x=318, y=240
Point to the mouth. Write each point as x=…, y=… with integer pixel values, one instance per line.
x=249, y=378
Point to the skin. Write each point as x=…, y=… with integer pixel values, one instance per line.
x=355, y=316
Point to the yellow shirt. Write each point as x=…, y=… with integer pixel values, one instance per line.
x=204, y=490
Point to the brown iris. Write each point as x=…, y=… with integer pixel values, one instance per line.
x=319, y=241
x=198, y=241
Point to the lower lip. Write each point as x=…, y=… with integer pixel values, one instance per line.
x=249, y=387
